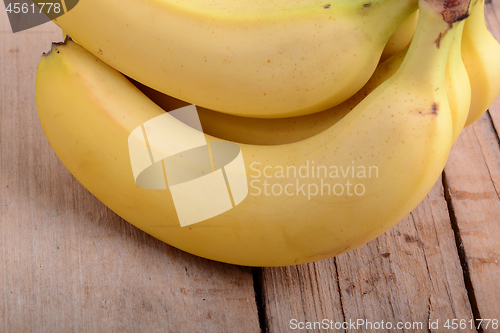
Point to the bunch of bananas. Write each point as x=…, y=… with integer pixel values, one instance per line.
x=366, y=99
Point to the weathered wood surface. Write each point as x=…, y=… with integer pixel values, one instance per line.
x=67, y=263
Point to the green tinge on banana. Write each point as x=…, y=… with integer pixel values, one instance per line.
x=401, y=132
x=263, y=59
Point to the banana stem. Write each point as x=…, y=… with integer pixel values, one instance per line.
x=452, y=10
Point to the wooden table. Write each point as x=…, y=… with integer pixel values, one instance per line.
x=69, y=264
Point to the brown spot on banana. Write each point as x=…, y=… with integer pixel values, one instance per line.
x=434, y=108
x=433, y=112
x=438, y=40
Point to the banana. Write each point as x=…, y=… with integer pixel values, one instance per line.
x=458, y=87
x=256, y=59
x=401, y=38
x=369, y=170
x=481, y=57
x=259, y=131
x=276, y=131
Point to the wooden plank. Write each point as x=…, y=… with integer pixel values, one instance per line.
x=411, y=274
x=492, y=17
x=297, y=294
x=473, y=180
x=414, y=267
x=414, y=272
x=67, y=263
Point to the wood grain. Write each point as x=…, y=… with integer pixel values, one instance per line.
x=472, y=178
x=473, y=181
x=67, y=263
x=411, y=274
x=305, y=293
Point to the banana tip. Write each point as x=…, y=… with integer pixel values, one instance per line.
x=56, y=44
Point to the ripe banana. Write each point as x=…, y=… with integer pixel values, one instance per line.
x=396, y=141
x=481, y=56
x=259, y=131
x=276, y=131
x=401, y=38
x=458, y=87
x=258, y=59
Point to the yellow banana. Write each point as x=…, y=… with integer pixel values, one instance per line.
x=258, y=59
x=276, y=131
x=481, y=57
x=385, y=155
x=458, y=88
x=401, y=38
x=287, y=130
